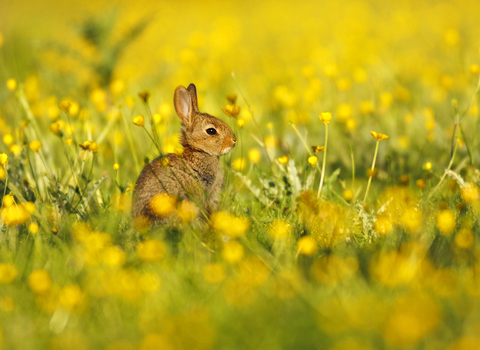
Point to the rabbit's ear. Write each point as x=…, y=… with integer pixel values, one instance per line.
x=183, y=104
x=193, y=95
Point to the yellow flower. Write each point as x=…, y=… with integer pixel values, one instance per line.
x=33, y=228
x=152, y=250
x=17, y=214
x=378, y=136
x=69, y=142
x=283, y=159
x=35, y=146
x=428, y=166
x=3, y=173
x=163, y=204
x=344, y=112
x=232, y=111
x=229, y=224
x=40, y=281
x=312, y=160
x=164, y=161
x=470, y=192
x=240, y=122
x=89, y=146
x=383, y=225
x=232, y=98
x=348, y=195
x=8, y=139
x=113, y=256
x=11, y=84
x=116, y=166
x=65, y=106
x=325, y=117
x=55, y=128
x=144, y=95
x=71, y=296
x=474, y=69
x=157, y=118
x=3, y=158
x=139, y=120
x=318, y=149
x=307, y=245
x=8, y=272
x=366, y=107
x=232, y=252
x=280, y=229
x=239, y=164
x=187, y=211
x=254, y=155
x=214, y=273
x=464, y=238
x=446, y=221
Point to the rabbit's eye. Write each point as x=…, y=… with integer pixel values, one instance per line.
x=211, y=131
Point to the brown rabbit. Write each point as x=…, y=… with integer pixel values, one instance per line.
x=196, y=174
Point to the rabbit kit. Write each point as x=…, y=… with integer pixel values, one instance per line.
x=196, y=175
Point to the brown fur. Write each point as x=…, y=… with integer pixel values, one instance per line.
x=196, y=175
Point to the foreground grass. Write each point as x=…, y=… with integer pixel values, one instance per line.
x=349, y=218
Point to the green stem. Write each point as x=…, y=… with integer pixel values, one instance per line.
x=371, y=175
x=324, y=162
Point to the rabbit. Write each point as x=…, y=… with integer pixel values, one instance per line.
x=196, y=175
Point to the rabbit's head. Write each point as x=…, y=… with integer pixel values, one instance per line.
x=201, y=131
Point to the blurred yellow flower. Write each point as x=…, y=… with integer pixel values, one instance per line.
x=214, y=273
x=378, y=136
x=3, y=158
x=330, y=70
x=187, y=211
x=116, y=166
x=470, y=192
x=312, y=160
x=318, y=149
x=8, y=139
x=11, y=84
x=344, y=112
x=17, y=214
x=325, y=117
x=144, y=95
x=8, y=273
x=16, y=150
x=163, y=204
x=307, y=245
x=280, y=229
x=157, y=118
x=33, y=228
x=464, y=238
x=283, y=159
x=151, y=250
x=383, y=225
x=231, y=110
x=366, y=107
x=139, y=120
x=411, y=319
x=428, y=166
x=3, y=173
x=239, y=164
x=35, y=146
x=348, y=195
x=65, y=106
x=69, y=142
x=254, y=155
x=113, y=256
x=232, y=252
x=89, y=146
x=446, y=221
x=55, y=128
x=240, y=122
x=351, y=124
x=229, y=224
x=40, y=281
x=474, y=69
x=71, y=296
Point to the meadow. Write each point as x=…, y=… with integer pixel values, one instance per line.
x=350, y=213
